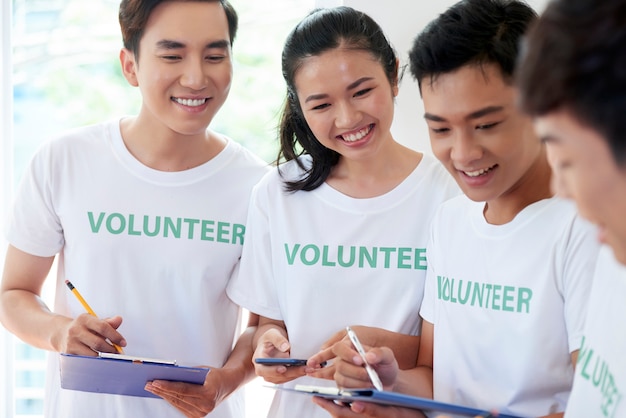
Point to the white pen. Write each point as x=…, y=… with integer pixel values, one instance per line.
x=370, y=370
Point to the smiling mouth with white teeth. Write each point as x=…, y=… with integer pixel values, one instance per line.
x=190, y=102
x=479, y=172
x=357, y=135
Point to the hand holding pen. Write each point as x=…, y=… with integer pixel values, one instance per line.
x=85, y=305
x=359, y=348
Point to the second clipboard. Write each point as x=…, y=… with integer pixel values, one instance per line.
x=391, y=399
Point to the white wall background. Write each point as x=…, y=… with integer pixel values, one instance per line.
x=402, y=20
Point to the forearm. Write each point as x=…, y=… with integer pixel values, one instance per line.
x=405, y=347
x=22, y=311
x=239, y=367
x=262, y=328
x=25, y=314
x=416, y=382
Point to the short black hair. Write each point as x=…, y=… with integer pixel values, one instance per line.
x=574, y=58
x=134, y=14
x=471, y=32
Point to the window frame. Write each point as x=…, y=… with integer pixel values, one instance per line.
x=6, y=182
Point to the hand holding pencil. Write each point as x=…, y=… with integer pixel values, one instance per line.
x=85, y=305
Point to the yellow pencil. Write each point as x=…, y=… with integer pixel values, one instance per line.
x=88, y=309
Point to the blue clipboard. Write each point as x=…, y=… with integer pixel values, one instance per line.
x=390, y=398
x=122, y=375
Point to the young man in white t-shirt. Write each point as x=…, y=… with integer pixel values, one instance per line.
x=147, y=216
x=509, y=264
x=572, y=80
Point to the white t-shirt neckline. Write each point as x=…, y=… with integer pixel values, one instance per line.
x=375, y=204
x=491, y=231
x=167, y=178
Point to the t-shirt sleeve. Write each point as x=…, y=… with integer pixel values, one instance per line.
x=579, y=264
x=427, y=310
x=33, y=225
x=252, y=286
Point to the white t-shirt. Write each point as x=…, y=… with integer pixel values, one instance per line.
x=600, y=381
x=508, y=304
x=321, y=260
x=157, y=248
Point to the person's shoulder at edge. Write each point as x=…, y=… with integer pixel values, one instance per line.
x=576, y=229
x=607, y=262
x=286, y=171
x=437, y=173
x=569, y=214
x=245, y=153
x=456, y=204
x=80, y=133
x=75, y=140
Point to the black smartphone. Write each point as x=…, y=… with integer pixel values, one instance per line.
x=288, y=362
x=281, y=361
